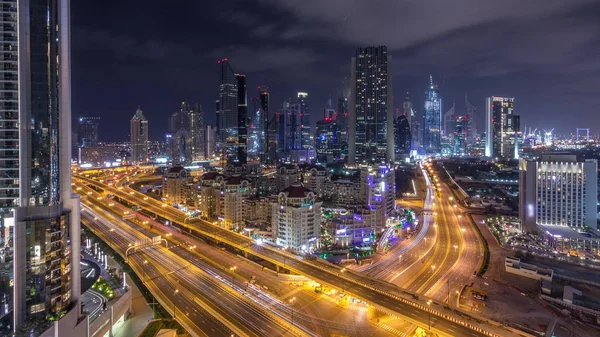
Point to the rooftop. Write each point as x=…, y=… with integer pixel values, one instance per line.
x=296, y=191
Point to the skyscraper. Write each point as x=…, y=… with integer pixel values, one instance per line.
x=449, y=121
x=461, y=124
x=242, y=119
x=503, y=128
x=403, y=135
x=186, y=129
x=139, y=137
x=39, y=214
x=87, y=131
x=370, y=131
x=432, y=119
x=269, y=143
x=227, y=110
x=471, y=134
x=301, y=107
x=342, y=121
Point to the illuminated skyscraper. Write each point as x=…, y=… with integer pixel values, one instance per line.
x=370, y=132
x=242, y=119
x=403, y=135
x=432, y=119
x=139, y=137
x=227, y=111
x=88, y=131
x=461, y=125
x=39, y=214
x=503, y=128
x=471, y=135
x=303, y=112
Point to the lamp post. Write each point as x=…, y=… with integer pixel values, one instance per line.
x=144, y=269
x=429, y=311
x=232, y=270
x=175, y=293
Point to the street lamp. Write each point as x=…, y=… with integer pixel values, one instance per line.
x=292, y=301
x=144, y=269
x=429, y=311
x=232, y=270
x=175, y=293
x=457, y=299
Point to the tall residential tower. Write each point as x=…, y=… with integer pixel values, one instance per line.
x=371, y=122
x=39, y=214
x=139, y=137
x=432, y=119
x=503, y=128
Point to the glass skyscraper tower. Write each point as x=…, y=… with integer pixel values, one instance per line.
x=39, y=215
x=371, y=122
x=432, y=119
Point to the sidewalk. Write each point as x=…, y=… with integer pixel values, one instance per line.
x=141, y=314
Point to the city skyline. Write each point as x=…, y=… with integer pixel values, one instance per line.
x=313, y=63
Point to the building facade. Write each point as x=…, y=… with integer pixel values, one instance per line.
x=227, y=106
x=370, y=133
x=558, y=190
x=403, y=136
x=177, y=186
x=39, y=214
x=432, y=119
x=471, y=135
x=461, y=135
x=296, y=218
x=139, y=137
x=503, y=128
x=87, y=131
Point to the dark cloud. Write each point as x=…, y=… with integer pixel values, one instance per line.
x=544, y=53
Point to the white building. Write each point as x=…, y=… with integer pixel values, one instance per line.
x=209, y=193
x=343, y=192
x=314, y=178
x=558, y=190
x=378, y=187
x=177, y=186
x=230, y=207
x=296, y=218
x=287, y=174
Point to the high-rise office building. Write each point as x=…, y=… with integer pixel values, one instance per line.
x=342, y=122
x=471, y=135
x=461, y=125
x=268, y=138
x=186, y=130
x=242, y=118
x=432, y=118
x=370, y=130
x=302, y=111
x=227, y=111
x=139, y=137
x=503, y=128
x=558, y=190
x=87, y=131
x=39, y=214
x=326, y=141
x=403, y=136
x=449, y=121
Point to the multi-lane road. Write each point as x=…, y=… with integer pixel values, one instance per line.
x=191, y=290
x=382, y=295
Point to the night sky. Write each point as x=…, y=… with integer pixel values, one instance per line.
x=155, y=54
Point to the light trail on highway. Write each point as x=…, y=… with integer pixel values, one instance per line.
x=382, y=295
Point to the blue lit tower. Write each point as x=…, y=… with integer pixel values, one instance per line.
x=370, y=136
x=39, y=214
x=432, y=119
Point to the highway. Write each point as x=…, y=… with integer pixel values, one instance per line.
x=181, y=284
x=382, y=295
x=312, y=313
